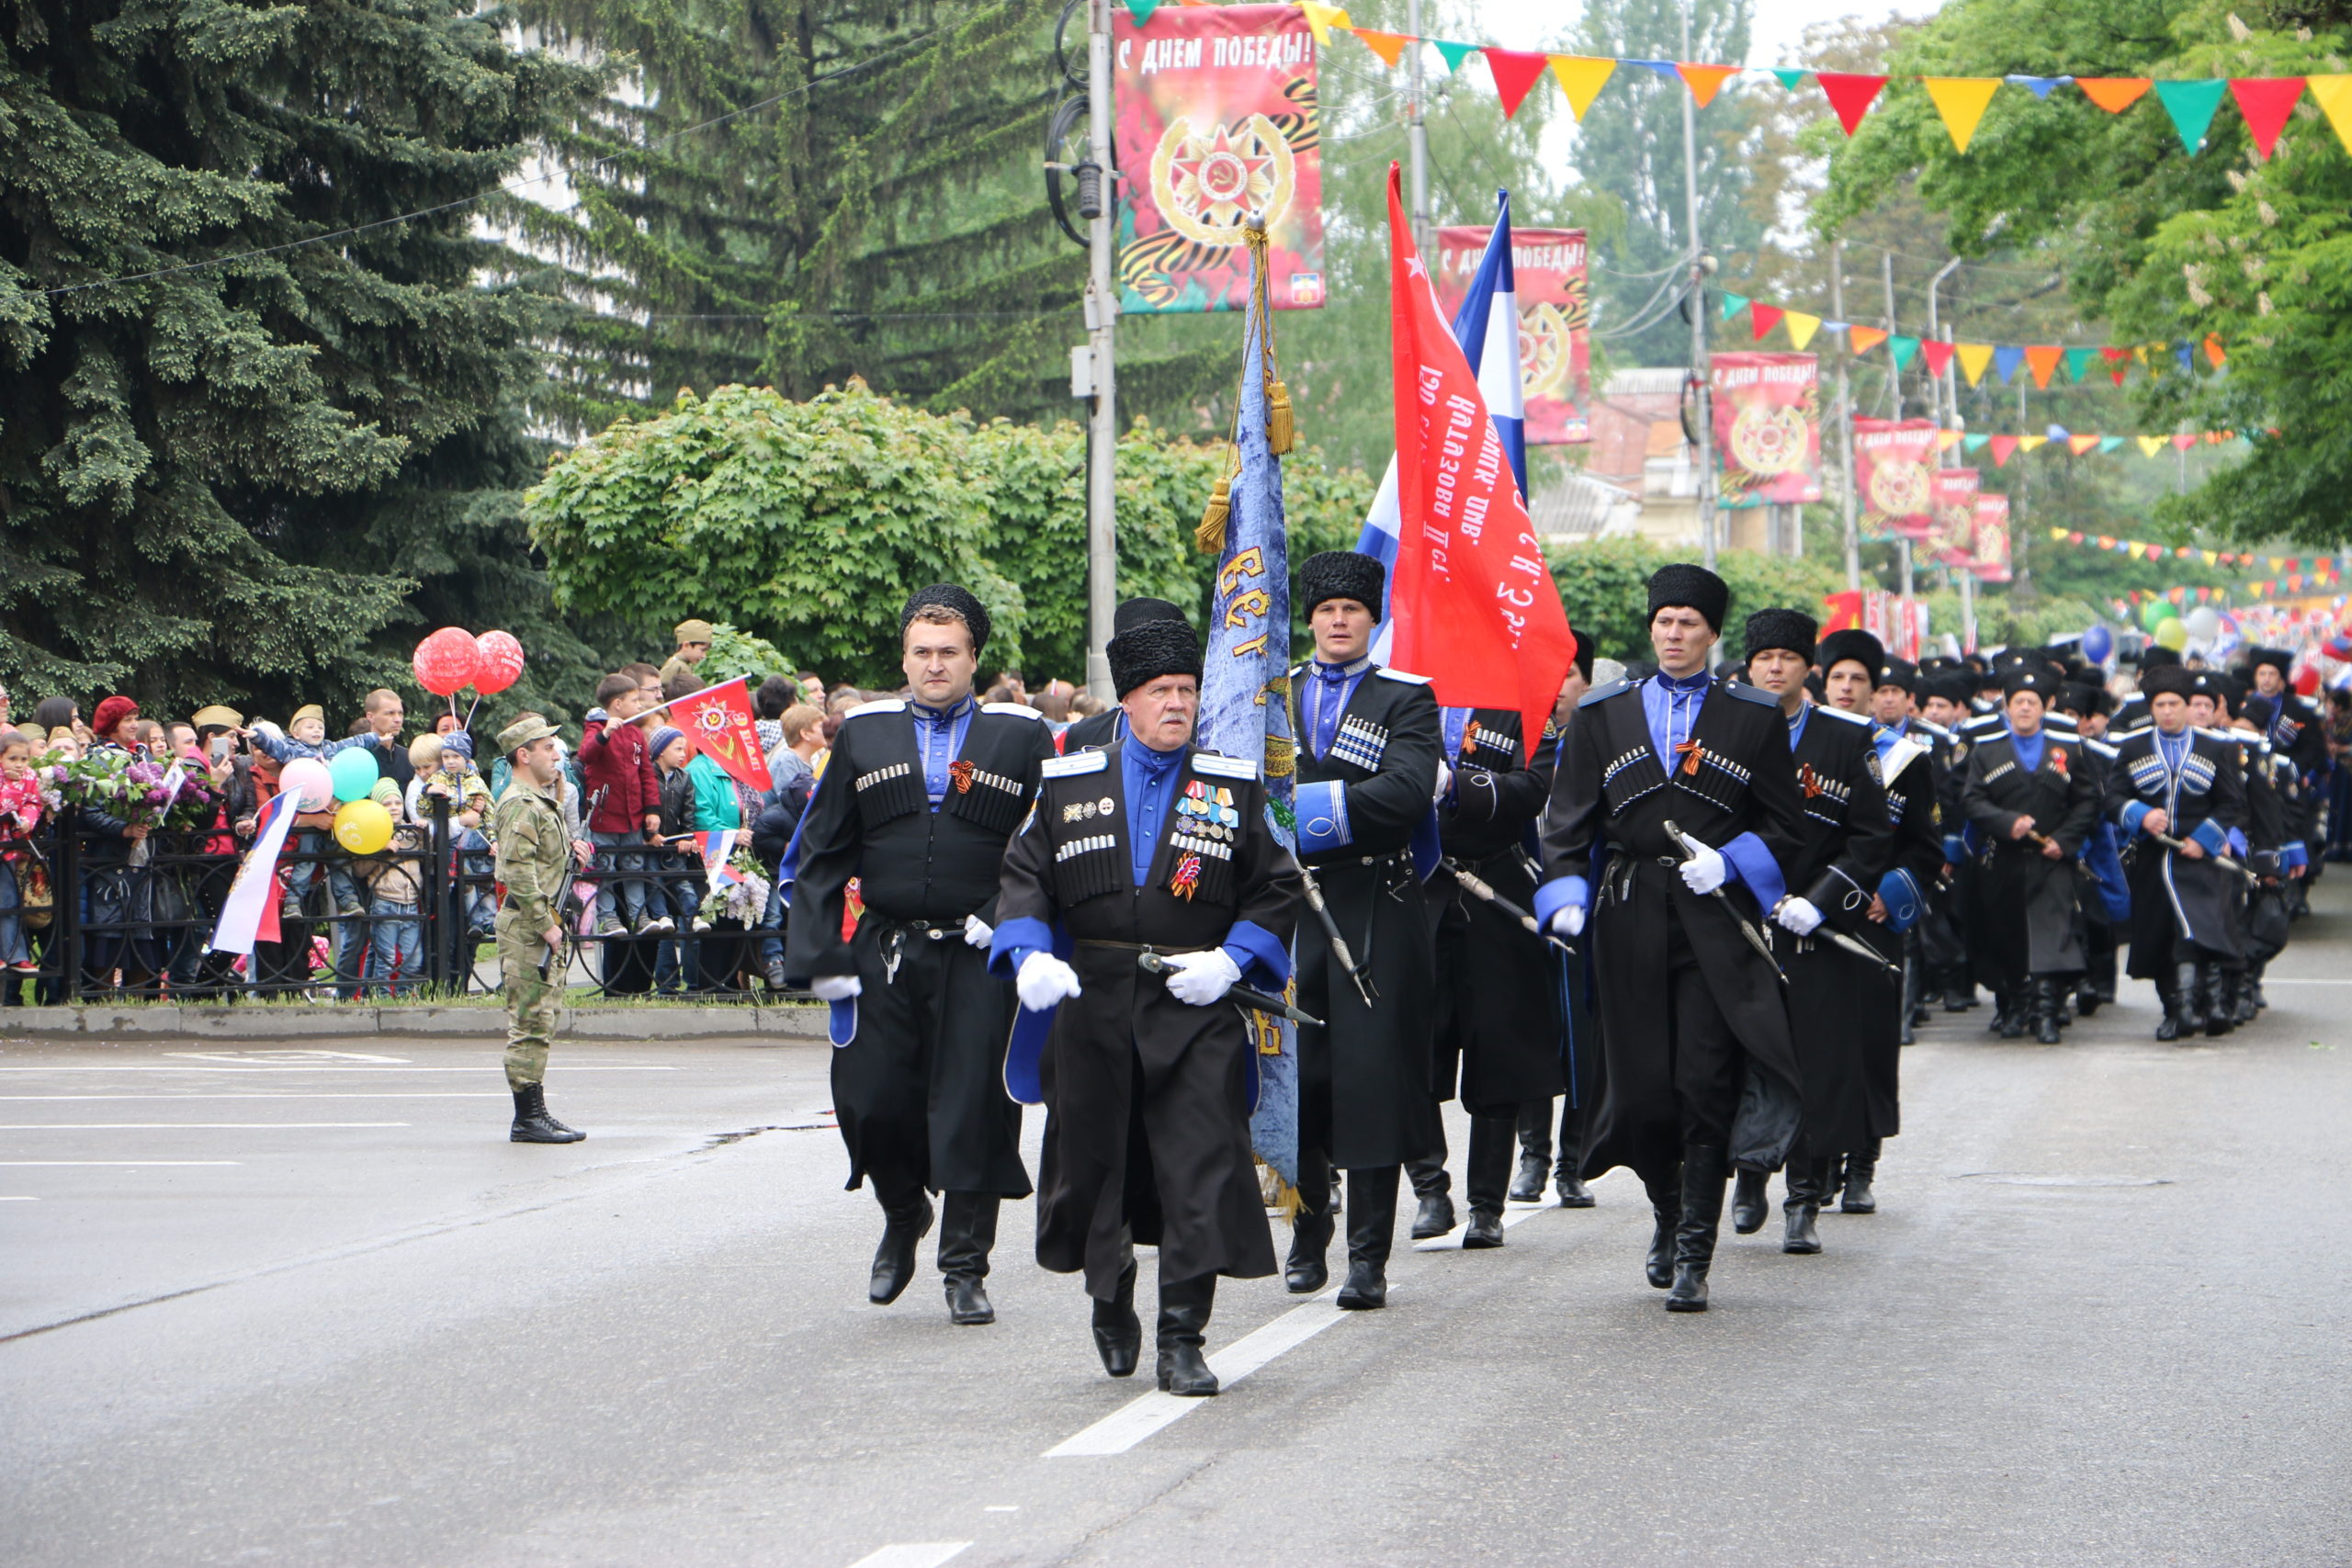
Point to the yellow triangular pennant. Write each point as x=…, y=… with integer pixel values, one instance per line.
x=2151, y=445
x=2334, y=96
x=1960, y=101
x=1800, y=327
x=2028, y=443
x=1323, y=18
x=1581, y=77
x=1947, y=439
x=1973, y=359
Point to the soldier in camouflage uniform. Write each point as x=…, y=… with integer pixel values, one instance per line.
x=532, y=849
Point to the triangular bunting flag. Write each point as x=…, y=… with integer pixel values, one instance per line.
x=1937, y=355
x=2180, y=357
x=2038, y=85
x=1581, y=77
x=1973, y=357
x=2334, y=95
x=2183, y=443
x=1515, y=73
x=1947, y=439
x=2191, y=106
x=1390, y=46
x=1960, y=101
x=1704, y=81
x=2004, y=448
x=1734, y=304
x=1663, y=67
x=2041, y=359
x=1861, y=339
x=2055, y=432
x=2213, y=351
x=1791, y=79
x=2027, y=443
x=2113, y=94
x=1973, y=443
x=1762, y=319
x=1454, y=53
x=2110, y=443
x=1849, y=95
x=1903, y=350
x=2150, y=445
x=1321, y=19
x=1141, y=11
x=2078, y=363
x=2115, y=359
x=2005, y=361
x=1801, y=328
x=2265, y=101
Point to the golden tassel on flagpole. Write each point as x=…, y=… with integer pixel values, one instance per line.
x=1281, y=425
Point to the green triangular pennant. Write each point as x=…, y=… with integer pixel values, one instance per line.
x=1791, y=80
x=2191, y=106
x=2110, y=443
x=1141, y=10
x=1904, y=349
x=2078, y=362
x=1734, y=304
x=1455, y=53
x=1973, y=443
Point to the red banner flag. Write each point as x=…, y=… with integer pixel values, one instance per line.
x=1991, y=549
x=717, y=720
x=1472, y=602
x=1892, y=464
x=1555, y=316
x=1768, y=428
x=1953, y=494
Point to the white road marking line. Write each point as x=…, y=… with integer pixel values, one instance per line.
x=114, y=1162
x=352, y=1094
x=1133, y=1422
x=19, y=1200
x=2283, y=980
x=914, y=1554
x=180, y=1127
x=1001, y=1508
x=310, y=1071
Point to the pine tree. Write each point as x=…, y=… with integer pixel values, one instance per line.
x=232, y=405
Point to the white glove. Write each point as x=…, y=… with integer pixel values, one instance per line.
x=1704, y=870
x=1201, y=978
x=1045, y=980
x=835, y=987
x=1567, y=920
x=1796, y=915
x=978, y=932
x=1444, y=780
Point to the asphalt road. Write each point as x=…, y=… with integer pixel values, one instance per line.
x=270, y=1308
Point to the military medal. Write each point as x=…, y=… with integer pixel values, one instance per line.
x=1186, y=879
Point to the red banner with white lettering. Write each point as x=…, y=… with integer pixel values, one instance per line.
x=1953, y=493
x=1768, y=428
x=1472, y=601
x=1892, y=462
x=717, y=720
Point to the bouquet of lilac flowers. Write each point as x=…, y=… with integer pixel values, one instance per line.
x=132, y=787
x=744, y=897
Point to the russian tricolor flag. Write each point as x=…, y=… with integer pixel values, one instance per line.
x=1486, y=326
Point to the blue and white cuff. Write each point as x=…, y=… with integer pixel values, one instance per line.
x=1263, y=960
x=1753, y=865
x=1322, y=811
x=1558, y=893
x=2210, y=837
x=2134, y=813
x=1016, y=940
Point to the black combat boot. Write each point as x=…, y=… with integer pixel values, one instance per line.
x=1372, y=1230
x=1487, y=1180
x=2190, y=988
x=2045, y=1010
x=966, y=1232
x=2220, y=1000
x=1808, y=1182
x=1118, y=1333
x=1534, y=1151
x=532, y=1123
x=1861, y=1168
x=1666, y=1207
x=1434, y=1215
x=906, y=1220
x=1183, y=1324
x=2168, y=996
x=1747, y=1202
x=1704, y=1170
x=1311, y=1239
x=2249, y=993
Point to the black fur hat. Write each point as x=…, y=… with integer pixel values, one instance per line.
x=2155, y=655
x=1584, y=653
x=1691, y=587
x=2177, y=679
x=2030, y=675
x=2280, y=659
x=1855, y=644
x=1792, y=630
x=1900, y=673
x=957, y=600
x=1341, y=574
x=1150, y=649
x=1135, y=611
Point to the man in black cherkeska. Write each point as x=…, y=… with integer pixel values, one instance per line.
x=916, y=803
x=1150, y=845
x=1369, y=768
x=1700, y=1073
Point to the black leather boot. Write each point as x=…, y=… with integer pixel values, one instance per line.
x=1118, y=1333
x=1808, y=1182
x=1704, y=1170
x=1567, y=1175
x=1372, y=1229
x=532, y=1123
x=2249, y=993
x=966, y=1232
x=906, y=1221
x=1861, y=1168
x=1665, y=1208
x=1748, y=1202
x=2045, y=1010
x=1184, y=1307
x=1487, y=1180
x=1534, y=1152
x=2190, y=990
x=2168, y=994
x=1434, y=1215
x=1310, y=1239
x=2220, y=1000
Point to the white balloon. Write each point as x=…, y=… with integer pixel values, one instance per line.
x=2204, y=621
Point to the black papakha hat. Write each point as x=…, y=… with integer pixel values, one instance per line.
x=957, y=600
x=1150, y=649
x=2177, y=679
x=1693, y=588
x=2029, y=677
x=1854, y=644
x=1135, y=612
x=2279, y=658
x=1791, y=630
x=1341, y=574
x=1899, y=672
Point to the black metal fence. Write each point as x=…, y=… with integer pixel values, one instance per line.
x=96, y=916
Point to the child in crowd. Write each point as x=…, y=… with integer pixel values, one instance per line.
x=445, y=768
x=396, y=951
x=305, y=735
x=617, y=774
x=19, y=814
x=681, y=892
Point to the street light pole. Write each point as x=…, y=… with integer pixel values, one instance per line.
x=1702, y=376
x=1416, y=133
x=1845, y=417
x=1102, y=318
x=1945, y=399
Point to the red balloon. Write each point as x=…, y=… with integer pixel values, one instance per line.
x=2307, y=680
x=501, y=662
x=446, y=660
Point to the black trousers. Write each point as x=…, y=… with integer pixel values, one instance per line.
x=1707, y=1058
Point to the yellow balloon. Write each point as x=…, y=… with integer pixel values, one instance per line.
x=362, y=827
x=2172, y=634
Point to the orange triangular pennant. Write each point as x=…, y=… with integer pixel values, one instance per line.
x=1861, y=340
x=2114, y=94
x=1705, y=81
x=2042, y=360
x=1390, y=46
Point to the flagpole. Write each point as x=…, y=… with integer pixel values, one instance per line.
x=1101, y=316
x=1845, y=418
x=1417, y=133
x=1704, y=381
x=690, y=697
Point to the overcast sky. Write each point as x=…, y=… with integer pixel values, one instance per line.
x=1779, y=27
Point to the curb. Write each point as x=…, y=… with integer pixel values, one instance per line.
x=169, y=1021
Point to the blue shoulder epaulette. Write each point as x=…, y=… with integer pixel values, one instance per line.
x=1749, y=693
x=1601, y=694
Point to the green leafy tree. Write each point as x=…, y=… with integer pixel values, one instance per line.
x=1605, y=589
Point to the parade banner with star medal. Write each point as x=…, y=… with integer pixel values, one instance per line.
x=1217, y=121
x=1954, y=493
x=1555, y=319
x=1768, y=428
x=1894, y=462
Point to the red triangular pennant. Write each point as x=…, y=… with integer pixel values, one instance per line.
x=1514, y=74
x=2265, y=101
x=1937, y=355
x=1762, y=319
x=2002, y=446
x=1849, y=95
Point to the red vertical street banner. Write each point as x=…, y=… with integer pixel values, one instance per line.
x=1555, y=321
x=1892, y=462
x=1953, y=493
x=1217, y=121
x=717, y=720
x=1842, y=611
x=1768, y=428
x=1991, y=549
x=1471, y=597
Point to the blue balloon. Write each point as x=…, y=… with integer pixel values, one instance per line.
x=2098, y=643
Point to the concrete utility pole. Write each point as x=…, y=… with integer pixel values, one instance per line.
x=1417, y=133
x=1702, y=375
x=1102, y=318
x=1945, y=399
x=1894, y=410
x=1845, y=416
